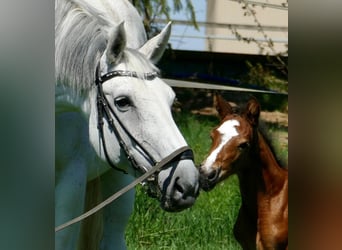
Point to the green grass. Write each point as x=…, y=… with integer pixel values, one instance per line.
x=208, y=225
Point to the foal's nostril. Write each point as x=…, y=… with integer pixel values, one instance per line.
x=212, y=176
x=208, y=179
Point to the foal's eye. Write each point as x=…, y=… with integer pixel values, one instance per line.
x=243, y=145
x=123, y=103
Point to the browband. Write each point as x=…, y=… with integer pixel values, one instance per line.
x=147, y=76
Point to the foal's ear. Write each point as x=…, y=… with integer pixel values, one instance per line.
x=222, y=106
x=252, y=111
x=154, y=48
x=116, y=44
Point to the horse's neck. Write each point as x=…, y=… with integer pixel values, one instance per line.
x=261, y=178
x=67, y=99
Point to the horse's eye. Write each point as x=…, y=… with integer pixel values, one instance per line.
x=243, y=145
x=123, y=103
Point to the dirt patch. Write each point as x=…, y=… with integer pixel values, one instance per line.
x=275, y=117
x=280, y=121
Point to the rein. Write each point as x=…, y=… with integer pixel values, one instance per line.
x=155, y=168
x=106, y=112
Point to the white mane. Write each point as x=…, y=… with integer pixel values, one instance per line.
x=81, y=37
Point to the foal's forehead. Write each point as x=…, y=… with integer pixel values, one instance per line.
x=228, y=126
x=228, y=129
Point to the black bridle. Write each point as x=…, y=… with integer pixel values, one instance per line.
x=148, y=175
x=105, y=111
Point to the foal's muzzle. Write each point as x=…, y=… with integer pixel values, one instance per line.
x=208, y=179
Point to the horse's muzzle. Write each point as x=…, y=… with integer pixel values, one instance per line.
x=180, y=185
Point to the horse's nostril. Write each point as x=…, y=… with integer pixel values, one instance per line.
x=179, y=188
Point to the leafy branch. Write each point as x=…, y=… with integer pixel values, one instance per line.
x=249, y=10
x=150, y=9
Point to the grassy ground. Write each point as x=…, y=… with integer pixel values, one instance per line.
x=205, y=226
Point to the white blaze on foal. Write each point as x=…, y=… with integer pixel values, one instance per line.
x=227, y=131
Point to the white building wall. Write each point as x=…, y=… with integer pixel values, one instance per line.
x=230, y=12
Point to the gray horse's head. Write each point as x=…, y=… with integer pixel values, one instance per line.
x=141, y=112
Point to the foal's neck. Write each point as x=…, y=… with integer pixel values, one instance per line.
x=273, y=175
x=262, y=176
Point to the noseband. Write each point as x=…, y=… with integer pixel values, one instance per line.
x=105, y=111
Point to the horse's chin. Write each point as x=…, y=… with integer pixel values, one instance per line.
x=176, y=206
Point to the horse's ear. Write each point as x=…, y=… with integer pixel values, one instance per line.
x=222, y=106
x=155, y=47
x=252, y=111
x=116, y=44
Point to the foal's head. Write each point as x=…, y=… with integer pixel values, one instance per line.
x=232, y=140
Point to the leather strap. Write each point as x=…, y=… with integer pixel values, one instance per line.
x=122, y=191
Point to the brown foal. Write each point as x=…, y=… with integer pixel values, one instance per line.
x=238, y=147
